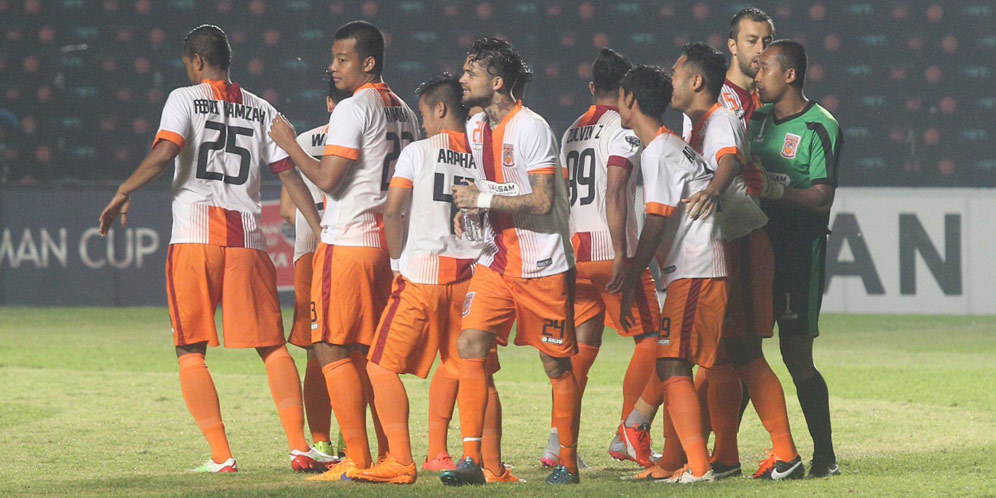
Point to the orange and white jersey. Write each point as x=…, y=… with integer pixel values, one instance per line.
x=671, y=172
x=430, y=167
x=370, y=127
x=720, y=133
x=221, y=130
x=595, y=142
x=739, y=101
x=305, y=240
x=524, y=245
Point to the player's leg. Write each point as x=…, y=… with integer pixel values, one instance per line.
x=442, y=399
x=317, y=406
x=194, y=273
x=359, y=357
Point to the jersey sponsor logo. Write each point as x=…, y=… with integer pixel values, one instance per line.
x=669, y=269
x=543, y=263
x=791, y=145
x=467, y=302
x=495, y=188
x=781, y=178
x=507, y=156
x=664, y=339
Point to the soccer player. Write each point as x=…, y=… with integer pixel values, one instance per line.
x=693, y=265
x=352, y=272
x=432, y=268
x=799, y=143
x=525, y=273
x=217, y=133
x=719, y=136
x=316, y=395
x=600, y=157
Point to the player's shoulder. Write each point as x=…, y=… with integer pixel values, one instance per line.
x=819, y=114
x=191, y=92
x=528, y=122
x=762, y=113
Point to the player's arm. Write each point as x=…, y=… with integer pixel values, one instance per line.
x=156, y=161
x=301, y=197
x=650, y=239
x=703, y=203
x=616, y=209
x=326, y=174
x=818, y=198
x=538, y=202
x=824, y=161
x=288, y=211
x=398, y=198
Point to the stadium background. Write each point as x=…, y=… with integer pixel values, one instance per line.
x=82, y=84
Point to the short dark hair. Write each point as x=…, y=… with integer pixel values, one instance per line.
x=444, y=88
x=752, y=13
x=336, y=94
x=501, y=59
x=651, y=86
x=608, y=70
x=211, y=43
x=710, y=63
x=369, y=41
x=792, y=55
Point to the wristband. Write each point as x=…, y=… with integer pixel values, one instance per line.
x=484, y=200
x=395, y=264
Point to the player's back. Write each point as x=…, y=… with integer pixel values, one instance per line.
x=592, y=144
x=305, y=240
x=673, y=171
x=430, y=167
x=525, y=245
x=222, y=130
x=370, y=127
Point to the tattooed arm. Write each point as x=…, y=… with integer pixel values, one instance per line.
x=540, y=201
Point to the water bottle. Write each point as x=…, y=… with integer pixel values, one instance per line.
x=473, y=228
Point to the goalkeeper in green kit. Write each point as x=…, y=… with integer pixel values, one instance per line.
x=798, y=143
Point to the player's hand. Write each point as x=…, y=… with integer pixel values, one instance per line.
x=458, y=224
x=465, y=195
x=626, y=308
x=118, y=206
x=282, y=132
x=618, y=275
x=759, y=184
x=701, y=204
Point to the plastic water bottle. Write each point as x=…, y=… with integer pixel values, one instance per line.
x=473, y=228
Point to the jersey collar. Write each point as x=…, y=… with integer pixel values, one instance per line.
x=380, y=86
x=458, y=141
x=786, y=119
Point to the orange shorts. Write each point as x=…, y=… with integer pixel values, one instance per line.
x=419, y=320
x=591, y=299
x=199, y=277
x=300, y=334
x=543, y=307
x=692, y=320
x=349, y=289
x=750, y=264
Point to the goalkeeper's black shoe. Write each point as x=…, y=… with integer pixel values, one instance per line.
x=823, y=468
x=466, y=473
x=561, y=475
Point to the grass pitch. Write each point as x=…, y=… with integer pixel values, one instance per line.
x=90, y=405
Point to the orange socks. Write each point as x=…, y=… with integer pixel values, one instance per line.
x=392, y=406
x=316, y=402
x=566, y=417
x=349, y=406
x=640, y=370
x=769, y=401
x=683, y=406
x=491, y=437
x=361, y=367
x=202, y=401
x=285, y=387
x=473, y=398
x=672, y=456
x=442, y=397
x=581, y=363
x=724, y=412
x=702, y=391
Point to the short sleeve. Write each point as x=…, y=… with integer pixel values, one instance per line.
x=624, y=149
x=346, y=125
x=407, y=167
x=663, y=183
x=725, y=136
x=538, y=149
x=175, y=124
x=273, y=156
x=824, y=154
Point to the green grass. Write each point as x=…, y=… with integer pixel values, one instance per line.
x=90, y=404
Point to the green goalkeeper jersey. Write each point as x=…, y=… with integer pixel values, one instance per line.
x=798, y=151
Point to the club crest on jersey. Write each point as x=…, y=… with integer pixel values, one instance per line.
x=791, y=145
x=467, y=301
x=507, y=156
